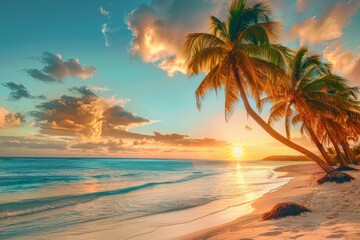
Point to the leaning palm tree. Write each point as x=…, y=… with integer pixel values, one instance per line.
x=337, y=134
x=239, y=56
x=347, y=149
x=353, y=127
x=353, y=132
x=348, y=153
x=306, y=97
x=321, y=101
x=356, y=150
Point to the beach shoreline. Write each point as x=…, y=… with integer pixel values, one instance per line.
x=335, y=212
x=151, y=201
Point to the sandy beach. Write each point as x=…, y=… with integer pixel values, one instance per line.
x=335, y=210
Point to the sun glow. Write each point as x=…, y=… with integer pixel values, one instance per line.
x=237, y=152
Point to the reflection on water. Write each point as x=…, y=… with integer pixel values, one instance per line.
x=242, y=182
x=49, y=197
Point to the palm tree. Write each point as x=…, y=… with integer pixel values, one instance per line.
x=338, y=134
x=356, y=150
x=353, y=129
x=348, y=153
x=305, y=98
x=338, y=131
x=320, y=100
x=334, y=139
x=239, y=55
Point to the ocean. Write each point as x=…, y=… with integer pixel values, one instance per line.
x=94, y=198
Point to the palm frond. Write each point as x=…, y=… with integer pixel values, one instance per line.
x=213, y=80
x=277, y=111
x=205, y=59
x=218, y=28
x=197, y=41
x=235, y=13
x=231, y=97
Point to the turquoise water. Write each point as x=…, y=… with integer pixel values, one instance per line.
x=49, y=196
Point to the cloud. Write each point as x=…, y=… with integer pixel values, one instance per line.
x=106, y=27
x=299, y=139
x=173, y=139
x=169, y=137
x=104, y=31
x=85, y=91
x=205, y=142
x=18, y=91
x=327, y=27
x=103, y=123
x=173, y=64
x=99, y=89
x=118, y=116
x=344, y=61
x=85, y=116
x=354, y=74
x=56, y=69
x=8, y=119
x=111, y=132
x=37, y=74
x=143, y=142
x=31, y=143
x=112, y=146
x=104, y=12
x=159, y=29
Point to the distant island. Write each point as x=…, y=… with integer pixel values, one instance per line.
x=286, y=158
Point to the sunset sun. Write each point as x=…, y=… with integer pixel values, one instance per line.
x=237, y=152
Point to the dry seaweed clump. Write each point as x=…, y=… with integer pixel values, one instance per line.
x=335, y=176
x=346, y=168
x=285, y=209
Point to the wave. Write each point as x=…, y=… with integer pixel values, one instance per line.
x=130, y=175
x=41, y=179
x=101, y=176
x=31, y=206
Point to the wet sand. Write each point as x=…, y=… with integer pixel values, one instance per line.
x=335, y=210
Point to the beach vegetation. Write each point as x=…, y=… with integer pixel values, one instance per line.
x=241, y=55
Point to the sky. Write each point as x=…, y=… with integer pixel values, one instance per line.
x=105, y=78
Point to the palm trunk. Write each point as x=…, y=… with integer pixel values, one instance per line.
x=348, y=151
x=320, y=146
x=326, y=167
x=337, y=149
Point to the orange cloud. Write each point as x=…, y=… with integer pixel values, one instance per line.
x=344, y=61
x=7, y=142
x=95, y=120
x=112, y=146
x=159, y=29
x=8, y=119
x=302, y=140
x=327, y=27
x=84, y=116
